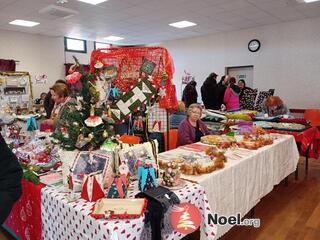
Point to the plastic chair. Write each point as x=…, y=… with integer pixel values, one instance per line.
x=173, y=137
x=312, y=116
x=130, y=139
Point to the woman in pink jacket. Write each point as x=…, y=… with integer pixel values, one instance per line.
x=231, y=96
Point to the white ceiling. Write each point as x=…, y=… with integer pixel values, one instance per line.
x=146, y=21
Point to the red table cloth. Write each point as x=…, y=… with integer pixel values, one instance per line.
x=25, y=217
x=307, y=138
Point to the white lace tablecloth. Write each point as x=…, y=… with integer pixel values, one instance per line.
x=62, y=220
x=239, y=186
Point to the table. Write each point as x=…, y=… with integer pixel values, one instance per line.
x=63, y=220
x=239, y=186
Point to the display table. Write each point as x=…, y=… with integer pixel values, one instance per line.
x=239, y=186
x=63, y=220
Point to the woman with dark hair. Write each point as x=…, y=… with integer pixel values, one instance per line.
x=191, y=129
x=209, y=92
x=231, y=96
x=190, y=94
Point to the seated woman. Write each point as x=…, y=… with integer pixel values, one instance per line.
x=48, y=102
x=61, y=99
x=192, y=128
x=231, y=96
x=273, y=106
x=177, y=117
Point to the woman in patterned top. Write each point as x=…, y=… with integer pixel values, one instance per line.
x=245, y=97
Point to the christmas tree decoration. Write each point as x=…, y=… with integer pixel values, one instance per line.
x=147, y=66
x=162, y=92
x=92, y=189
x=98, y=65
x=142, y=92
x=93, y=120
x=31, y=124
x=117, y=187
x=147, y=178
x=110, y=72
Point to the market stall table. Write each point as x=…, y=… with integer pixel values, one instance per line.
x=63, y=220
x=240, y=185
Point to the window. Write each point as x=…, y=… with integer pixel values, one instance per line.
x=75, y=45
x=98, y=45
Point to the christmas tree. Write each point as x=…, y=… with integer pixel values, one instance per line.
x=86, y=123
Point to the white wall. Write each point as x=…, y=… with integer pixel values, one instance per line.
x=37, y=55
x=288, y=60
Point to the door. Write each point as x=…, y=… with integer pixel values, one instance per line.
x=242, y=72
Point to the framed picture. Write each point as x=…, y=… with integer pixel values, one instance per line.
x=145, y=152
x=89, y=162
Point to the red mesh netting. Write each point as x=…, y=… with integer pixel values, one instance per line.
x=128, y=62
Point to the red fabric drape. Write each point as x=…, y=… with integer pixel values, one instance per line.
x=25, y=217
x=7, y=65
x=308, y=138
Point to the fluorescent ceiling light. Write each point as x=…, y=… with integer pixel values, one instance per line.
x=310, y=1
x=24, y=23
x=93, y=2
x=182, y=24
x=113, y=38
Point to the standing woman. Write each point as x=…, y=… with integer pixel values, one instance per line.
x=190, y=94
x=192, y=128
x=231, y=96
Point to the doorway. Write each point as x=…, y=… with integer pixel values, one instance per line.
x=242, y=72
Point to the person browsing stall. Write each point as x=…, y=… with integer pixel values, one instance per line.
x=60, y=96
x=273, y=106
x=191, y=129
x=10, y=180
x=231, y=96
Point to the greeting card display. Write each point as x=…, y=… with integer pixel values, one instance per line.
x=90, y=162
x=140, y=153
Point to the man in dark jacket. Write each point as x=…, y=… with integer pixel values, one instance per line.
x=209, y=92
x=10, y=180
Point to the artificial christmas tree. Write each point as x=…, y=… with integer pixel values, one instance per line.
x=80, y=128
